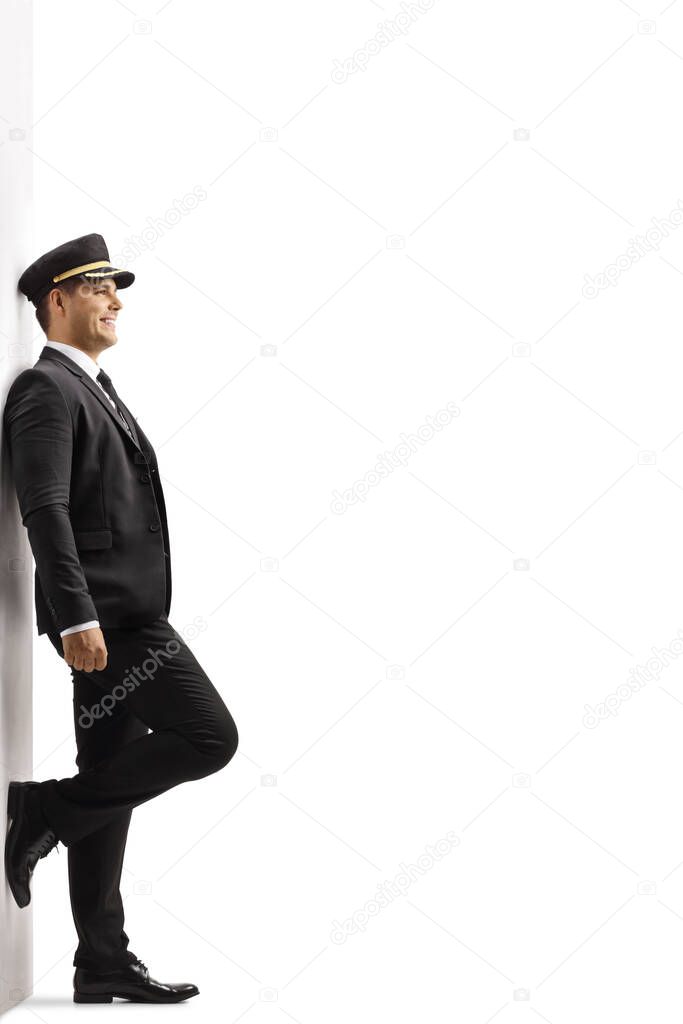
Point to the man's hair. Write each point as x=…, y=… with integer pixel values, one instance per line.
x=69, y=285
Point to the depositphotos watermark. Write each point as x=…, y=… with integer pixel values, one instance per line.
x=638, y=248
x=388, y=461
x=638, y=678
x=389, y=30
x=157, y=227
x=135, y=676
x=388, y=891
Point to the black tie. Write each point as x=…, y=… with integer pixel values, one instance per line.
x=106, y=383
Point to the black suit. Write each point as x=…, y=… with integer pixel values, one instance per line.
x=90, y=498
x=92, y=503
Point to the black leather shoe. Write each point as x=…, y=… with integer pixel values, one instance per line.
x=29, y=838
x=130, y=982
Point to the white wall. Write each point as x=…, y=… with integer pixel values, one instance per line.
x=16, y=569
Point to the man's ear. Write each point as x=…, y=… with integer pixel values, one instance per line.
x=58, y=299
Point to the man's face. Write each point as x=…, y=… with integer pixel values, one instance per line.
x=89, y=315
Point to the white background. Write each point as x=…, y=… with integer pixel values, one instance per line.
x=402, y=236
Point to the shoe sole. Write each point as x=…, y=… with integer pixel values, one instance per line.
x=82, y=997
x=15, y=806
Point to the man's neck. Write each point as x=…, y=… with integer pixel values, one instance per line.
x=78, y=355
x=94, y=355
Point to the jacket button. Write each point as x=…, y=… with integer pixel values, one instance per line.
x=154, y=527
x=144, y=478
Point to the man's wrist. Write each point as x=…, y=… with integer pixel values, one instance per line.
x=82, y=625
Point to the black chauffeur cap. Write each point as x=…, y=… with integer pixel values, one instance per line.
x=87, y=255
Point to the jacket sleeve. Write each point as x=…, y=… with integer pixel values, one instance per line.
x=39, y=432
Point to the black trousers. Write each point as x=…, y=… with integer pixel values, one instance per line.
x=152, y=681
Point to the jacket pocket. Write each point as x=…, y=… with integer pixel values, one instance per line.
x=87, y=540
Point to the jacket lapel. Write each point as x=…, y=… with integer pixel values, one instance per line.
x=104, y=401
x=94, y=389
x=131, y=420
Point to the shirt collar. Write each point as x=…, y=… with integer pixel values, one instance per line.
x=82, y=358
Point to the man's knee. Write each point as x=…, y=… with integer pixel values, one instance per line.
x=229, y=742
x=221, y=748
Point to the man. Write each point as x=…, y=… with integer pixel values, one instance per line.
x=91, y=500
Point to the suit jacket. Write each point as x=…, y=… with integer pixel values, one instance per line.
x=90, y=498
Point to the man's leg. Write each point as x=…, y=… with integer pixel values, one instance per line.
x=152, y=673
x=95, y=864
x=96, y=861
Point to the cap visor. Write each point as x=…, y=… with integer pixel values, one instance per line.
x=123, y=278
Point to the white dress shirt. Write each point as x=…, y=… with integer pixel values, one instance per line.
x=92, y=369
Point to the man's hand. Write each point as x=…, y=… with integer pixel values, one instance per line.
x=85, y=650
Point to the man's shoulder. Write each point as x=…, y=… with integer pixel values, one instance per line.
x=45, y=369
x=41, y=371
x=46, y=380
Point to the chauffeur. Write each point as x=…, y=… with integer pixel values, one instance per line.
x=90, y=497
